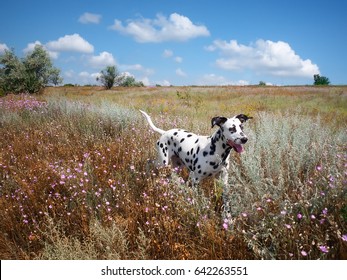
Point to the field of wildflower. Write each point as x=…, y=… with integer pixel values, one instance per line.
x=78, y=178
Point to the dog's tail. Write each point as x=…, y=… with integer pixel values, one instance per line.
x=148, y=118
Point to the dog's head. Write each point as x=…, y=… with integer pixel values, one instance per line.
x=232, y=130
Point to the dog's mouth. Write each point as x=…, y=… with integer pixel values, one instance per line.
x=237, y=147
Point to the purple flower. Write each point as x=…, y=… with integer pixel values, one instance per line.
x=288, y=226
x=304, y=253
x=325, y=211
x=318, y=167
x=225, y=226
x=324, y=249
x=299, y=216
x=344, y=237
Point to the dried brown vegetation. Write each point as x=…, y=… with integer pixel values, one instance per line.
x=77, y=179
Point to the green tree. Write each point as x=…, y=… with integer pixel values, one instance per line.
x=130, y=81
x=320, y=80
x=29, y=74
x=109, y=77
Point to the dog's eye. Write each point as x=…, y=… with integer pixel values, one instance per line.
x=232, y=129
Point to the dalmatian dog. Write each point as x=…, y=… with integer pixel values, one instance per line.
x=204, y=156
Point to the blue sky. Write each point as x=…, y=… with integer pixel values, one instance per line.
x=184, y=42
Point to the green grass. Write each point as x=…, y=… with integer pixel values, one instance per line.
x=77, y=179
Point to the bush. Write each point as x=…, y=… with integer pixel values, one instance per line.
x=28, y=75
x=320, y=80
x=131, y=82
x=109, y=77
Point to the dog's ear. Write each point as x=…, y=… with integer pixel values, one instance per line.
x=218, y=121
x=243, y=118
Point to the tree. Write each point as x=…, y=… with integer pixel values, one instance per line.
x=109, y=77
x=29, y=74
x=130, y=81
x=320, y=80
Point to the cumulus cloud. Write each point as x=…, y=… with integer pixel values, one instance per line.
x=31, y=46
x=138, y=68
x=161, y=29
x=164, y=83
x=180, y=72
x=89, y=18
x=178, y=59
x=72, y=43
x=216, y=80
x=3, y=48
x=167, y=53
x=264, y=57
x=102, y=60
x=170, y=53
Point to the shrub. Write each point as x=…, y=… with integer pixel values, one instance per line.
x=320, y=80
x=28, y=75
x=110, y=77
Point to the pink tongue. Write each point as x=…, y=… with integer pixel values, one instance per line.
x=238, y=148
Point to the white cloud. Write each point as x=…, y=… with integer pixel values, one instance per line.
x=216, y=80
x=138, y=68
x=3, y=48
x=180, y=72
x=164, y=83
x=31, y=46
x=102, y=60
x=178, y=59
x=161, y=29
x=89, y=18
x=72, y=43
x=167, y=53
x=85, y=77
x=264, y=57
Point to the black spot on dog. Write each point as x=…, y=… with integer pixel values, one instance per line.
x=175, y=133
x=187, y=160
x=188, y=153
x=189, y=135
x=182, y=140
x=161, y=145
x=169, y=143
x=205, y=153
x=212, y=163
x=164, y=161
x=197, y=140
x=179, y=149
x=232, y=129
x=198, y=150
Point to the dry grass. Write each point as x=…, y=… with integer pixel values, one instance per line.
x=77, y=179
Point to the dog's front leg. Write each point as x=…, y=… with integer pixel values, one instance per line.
x=224, y=175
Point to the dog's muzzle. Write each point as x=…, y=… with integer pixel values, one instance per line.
x=238, y=147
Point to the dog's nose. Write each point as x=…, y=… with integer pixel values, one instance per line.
x=244, y=140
